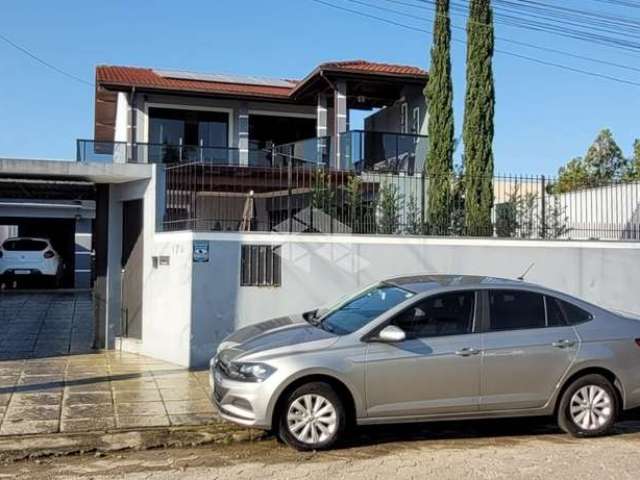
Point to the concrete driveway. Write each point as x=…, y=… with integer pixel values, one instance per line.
x=51, y=381
x=39, y=325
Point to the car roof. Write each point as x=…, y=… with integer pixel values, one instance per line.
x=423, y=283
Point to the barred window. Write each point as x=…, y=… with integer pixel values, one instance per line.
x=261, y=266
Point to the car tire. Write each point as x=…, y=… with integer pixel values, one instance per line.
x=588, y=407
x=312, y=417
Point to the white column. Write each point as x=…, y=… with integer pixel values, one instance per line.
x=340, y=112
x=243, y=133
x=322, y=129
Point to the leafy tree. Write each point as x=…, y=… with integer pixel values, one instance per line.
x=388, y=209
x=457, y=202
x=603, y=162
x=414, y=223
x=478, y=126
x=633, y=169
x=556, y=219
x=507, y=221
x=520, y=216
x=358, y=211
x=572, y=176
x=322, y=195
x=439, y=94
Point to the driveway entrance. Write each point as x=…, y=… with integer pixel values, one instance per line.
x=45, y=324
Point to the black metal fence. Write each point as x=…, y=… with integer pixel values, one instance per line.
x=202, y=196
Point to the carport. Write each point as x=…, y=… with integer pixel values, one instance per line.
x=62, y=211
x=84, y=209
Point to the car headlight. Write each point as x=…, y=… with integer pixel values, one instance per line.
x=249, y=372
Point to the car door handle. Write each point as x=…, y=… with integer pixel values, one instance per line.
x=563, y=343
x=467, y=352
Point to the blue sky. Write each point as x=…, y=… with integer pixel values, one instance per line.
x=544, y=116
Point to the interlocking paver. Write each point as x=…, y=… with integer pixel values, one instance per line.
x=51, y=381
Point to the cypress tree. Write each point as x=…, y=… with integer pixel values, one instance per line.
x=478, y=119
x=439, y=94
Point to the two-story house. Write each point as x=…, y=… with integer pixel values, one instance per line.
x=152, y=115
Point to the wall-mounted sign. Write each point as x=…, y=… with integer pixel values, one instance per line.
x=200, y=251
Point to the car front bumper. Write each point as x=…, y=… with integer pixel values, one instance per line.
x=244, y=403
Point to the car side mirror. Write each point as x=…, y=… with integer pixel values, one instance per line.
x=391, y=334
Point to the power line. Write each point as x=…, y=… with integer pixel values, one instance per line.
x=562, y=25
x=503, y=52
x=44, y=62
x=503, y=39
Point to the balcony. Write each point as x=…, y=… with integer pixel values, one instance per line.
x=355, y=150
x=123, y=152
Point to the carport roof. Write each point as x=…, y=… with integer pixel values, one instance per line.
x=30, y=188
x=69, y=170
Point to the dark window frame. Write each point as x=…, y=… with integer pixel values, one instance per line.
x=486, y=316
x=486, y=324
x=260, y=266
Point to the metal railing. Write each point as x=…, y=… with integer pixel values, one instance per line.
x=296, y=198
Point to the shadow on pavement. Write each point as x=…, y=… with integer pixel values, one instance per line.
x=501, y=431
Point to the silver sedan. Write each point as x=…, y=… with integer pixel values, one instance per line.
x=426, y=348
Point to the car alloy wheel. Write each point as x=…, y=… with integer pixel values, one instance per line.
x=591, y=407
x=312, y=419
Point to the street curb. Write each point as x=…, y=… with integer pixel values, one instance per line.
x=18, y=447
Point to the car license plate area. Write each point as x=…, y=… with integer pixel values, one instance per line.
x=22, y=272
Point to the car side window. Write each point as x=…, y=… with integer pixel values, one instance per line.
x=446, y=314
x=561, y=313
x=515, y=310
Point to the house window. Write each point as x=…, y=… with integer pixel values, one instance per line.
x=415, y=121
x=261, y=266
x=404, y=118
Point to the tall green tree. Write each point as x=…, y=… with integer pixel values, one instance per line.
x=633, y=170
x=439, y=95
x=478, y=119
x=603, y=162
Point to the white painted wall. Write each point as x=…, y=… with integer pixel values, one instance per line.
x=318, y=270
x=166, y=327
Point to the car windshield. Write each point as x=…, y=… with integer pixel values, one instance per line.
x=357, y=311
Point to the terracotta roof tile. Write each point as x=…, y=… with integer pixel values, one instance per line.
x=373, y=67
x=148, y=78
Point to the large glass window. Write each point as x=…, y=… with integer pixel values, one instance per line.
x=358, y=311
x=447, y=314
x=514, y=310
x=187, y=135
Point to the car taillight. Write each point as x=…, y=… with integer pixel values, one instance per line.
x=638, y=341
x=48, y=254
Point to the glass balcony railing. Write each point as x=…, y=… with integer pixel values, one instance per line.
x=360, y=150
x=123, y=152
x=364, y=150
x=312, y=152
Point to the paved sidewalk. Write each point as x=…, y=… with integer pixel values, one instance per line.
x=98, y=392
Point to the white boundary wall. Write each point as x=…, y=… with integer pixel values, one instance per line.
x=189, y=308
